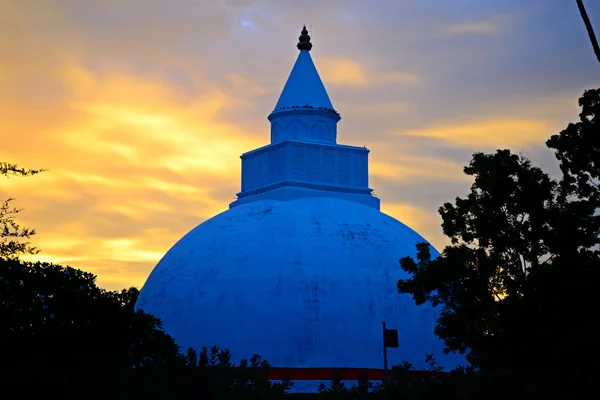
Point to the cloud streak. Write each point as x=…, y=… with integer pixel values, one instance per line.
x=140, y=109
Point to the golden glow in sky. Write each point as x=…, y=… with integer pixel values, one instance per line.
x=140, y=109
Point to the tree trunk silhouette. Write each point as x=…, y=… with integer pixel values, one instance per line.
x=590, y=29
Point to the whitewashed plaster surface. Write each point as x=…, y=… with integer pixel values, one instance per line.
x=300, y=163
x=303, y=283
x=304, y=86
x=302, y=269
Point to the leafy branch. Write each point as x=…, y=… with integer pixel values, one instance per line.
x=12, y=235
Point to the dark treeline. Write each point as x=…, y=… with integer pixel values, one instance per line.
x=518, y=285
x=517, y=288
x=63, y=335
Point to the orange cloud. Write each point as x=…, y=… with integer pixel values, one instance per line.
x=140, y=109
x=490, y=132
x=410, y=169
x=490, y=25
x=126, y=155
x=341, y=71
x=425, y=222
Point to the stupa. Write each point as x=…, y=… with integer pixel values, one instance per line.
x=302, y=267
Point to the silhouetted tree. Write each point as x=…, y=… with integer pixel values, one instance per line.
x=11, y=233
x=58, y=329
x=577, y=148
x=63, y=336
x=517, y=285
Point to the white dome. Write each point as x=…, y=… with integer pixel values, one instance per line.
x=303, y=283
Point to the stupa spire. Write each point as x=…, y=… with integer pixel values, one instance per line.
x=303, y=158
x=304, y=40
x=305, y=101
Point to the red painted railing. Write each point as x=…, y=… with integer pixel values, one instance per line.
x=350, y=374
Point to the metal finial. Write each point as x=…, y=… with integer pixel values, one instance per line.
x=304, y=43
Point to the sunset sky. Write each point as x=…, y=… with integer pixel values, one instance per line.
x=140, y=109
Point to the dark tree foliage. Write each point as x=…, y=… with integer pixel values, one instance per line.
x=577, y=148
x=517, y=287
x=11, y=233
x=62, y=336
x=59, y=330
x=401, y=384
x=213, y=376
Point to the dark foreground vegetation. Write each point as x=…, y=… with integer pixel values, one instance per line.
x=518, y=290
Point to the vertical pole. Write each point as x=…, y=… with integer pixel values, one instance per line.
x=589, y=28
x=385, y=367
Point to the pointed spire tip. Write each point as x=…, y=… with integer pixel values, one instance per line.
x=304, y=40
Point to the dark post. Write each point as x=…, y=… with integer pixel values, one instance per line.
x=384, y=349
x=589, y=28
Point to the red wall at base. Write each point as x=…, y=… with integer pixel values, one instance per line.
x=327, y=374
